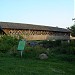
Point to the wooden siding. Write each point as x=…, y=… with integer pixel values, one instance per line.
x=37, y=34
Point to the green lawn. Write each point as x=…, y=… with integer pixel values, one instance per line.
x=25, y=66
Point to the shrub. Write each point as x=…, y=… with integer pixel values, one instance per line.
x=49, y=44
x=33, y=52
x=7, y=43
x=66, y=57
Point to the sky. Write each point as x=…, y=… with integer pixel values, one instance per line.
x=56, y=13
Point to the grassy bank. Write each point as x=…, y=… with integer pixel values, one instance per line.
x=61, y=58
x=25, y=66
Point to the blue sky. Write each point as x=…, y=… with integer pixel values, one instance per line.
x=42, y=12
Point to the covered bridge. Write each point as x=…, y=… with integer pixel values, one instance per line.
x=34, y=32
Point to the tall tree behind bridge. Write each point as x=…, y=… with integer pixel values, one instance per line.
x=72, y=29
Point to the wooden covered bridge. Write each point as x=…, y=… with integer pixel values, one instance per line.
x=34, y=32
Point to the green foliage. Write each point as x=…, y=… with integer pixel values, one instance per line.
x=7, y=43
x=48, y=44
x=60, y=47
x=72, y=28
x=33, y=52
x=66, y=57
x=64, y=49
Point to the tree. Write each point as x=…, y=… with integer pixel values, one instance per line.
x=72, y=29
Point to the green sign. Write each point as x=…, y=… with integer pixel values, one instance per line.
x=21, y=45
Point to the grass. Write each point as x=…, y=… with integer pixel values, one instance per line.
x=27, y=66
x=61, y=58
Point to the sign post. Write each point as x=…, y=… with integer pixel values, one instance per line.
x=21, y=46
x=21, y=53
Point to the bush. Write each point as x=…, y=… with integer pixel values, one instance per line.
x=49, y=44
x=66, y=57
x=33, y=52
x=7, y=43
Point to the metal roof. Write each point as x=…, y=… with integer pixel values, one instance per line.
x=10, y=25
